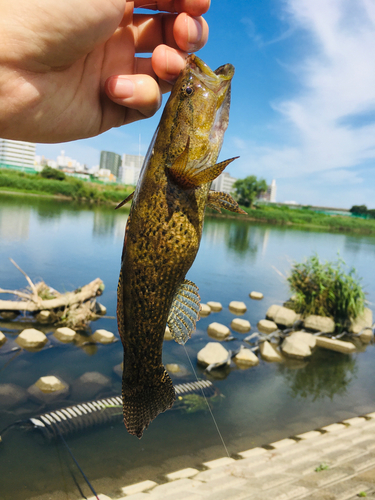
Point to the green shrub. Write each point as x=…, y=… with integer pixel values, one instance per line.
x=325, y=289
x=52, y=173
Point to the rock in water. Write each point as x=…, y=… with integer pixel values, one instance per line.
x=212, y=353
x=319, y=323
x=269, y=353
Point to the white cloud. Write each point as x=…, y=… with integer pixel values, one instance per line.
x=338, y=83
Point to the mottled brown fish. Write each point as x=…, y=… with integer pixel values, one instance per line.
x=163, y=233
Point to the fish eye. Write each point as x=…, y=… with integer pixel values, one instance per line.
x=189, y=90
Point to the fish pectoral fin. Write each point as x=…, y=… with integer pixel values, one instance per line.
x=218, y=200
x=184, y=312
x=130, y=197
x=189, y=175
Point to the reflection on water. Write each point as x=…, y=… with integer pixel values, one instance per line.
x=326, y=375
x=69, y=245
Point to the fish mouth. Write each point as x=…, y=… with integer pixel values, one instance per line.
x=215, y=80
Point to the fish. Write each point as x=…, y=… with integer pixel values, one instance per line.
x=163, y=234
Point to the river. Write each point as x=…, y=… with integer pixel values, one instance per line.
x=67, y=245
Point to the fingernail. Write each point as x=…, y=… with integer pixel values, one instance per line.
x=121, y=88
x=194, y=32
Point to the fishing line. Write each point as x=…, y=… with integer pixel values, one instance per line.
x=75, y=461
x=208, y=405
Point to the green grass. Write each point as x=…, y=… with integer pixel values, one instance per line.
x=273, y=214
x=326, y=289
x=76, y=189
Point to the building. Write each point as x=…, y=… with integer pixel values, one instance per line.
x=223, y=183
x=110, y=161
x=270, y=194
x=17, y=155
x=130, y=169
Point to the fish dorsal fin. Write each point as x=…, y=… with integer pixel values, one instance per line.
x=130, y=197
x=218, y=200
x=184, y=312
x=191, y=174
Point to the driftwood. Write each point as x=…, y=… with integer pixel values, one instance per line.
x=75, y=308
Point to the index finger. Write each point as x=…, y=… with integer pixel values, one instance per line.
x=194, y=8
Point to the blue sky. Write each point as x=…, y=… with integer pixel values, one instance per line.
x=303, y=98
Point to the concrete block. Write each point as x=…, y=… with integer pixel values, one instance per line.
x=333, y=427
x=237, y=307
x=173, y=487
x=309, y=435
x=138, y=487
x=219, y=462
x=345, y=490
x=363, y=462
x=283, y=443
x=180, y=474
x=254, y=452
x=215, y=306
x=286, y=492
x=354, y=421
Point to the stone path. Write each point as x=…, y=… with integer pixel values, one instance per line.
x=336, y=462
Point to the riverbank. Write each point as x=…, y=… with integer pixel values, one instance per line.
x=13, y=182
x=69, y=188
x=335, y=462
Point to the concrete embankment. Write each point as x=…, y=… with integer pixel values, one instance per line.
x=336, y=462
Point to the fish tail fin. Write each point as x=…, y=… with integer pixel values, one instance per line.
x=144, y=403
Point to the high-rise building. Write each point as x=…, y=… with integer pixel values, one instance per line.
x=223, y=183
x=17, y=154
x=131, y=168
x=270, y=194
x=110, y=161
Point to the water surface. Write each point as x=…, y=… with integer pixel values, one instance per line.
x=67, y=245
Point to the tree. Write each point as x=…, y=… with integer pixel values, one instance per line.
x=359, y=209
x=52, y=173
x=248, y=189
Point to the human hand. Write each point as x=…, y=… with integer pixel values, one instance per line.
x=68, y=70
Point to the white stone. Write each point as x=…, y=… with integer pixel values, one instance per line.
x=335, y=345
x=100, y=309
x=218, y=331
x=295, y=348
x=167, y=334
x=181, y=474
x=138, y=487
x=3, y=338
x=309, y=435
x=240, y=325
x=173, y=368
x=213, y=352
x=48, y=389
x=31, y=339
x=366, y=335
x=237, y=307
x=319, y=323
x=103, y=337
x=266, y=326
x=11, y=395
x=50, y=383
x=272, y=311
x=256, y=295
x=246, y=357
x=362, y=321
x=43, y=316
x=65, y=334
x=285, y=317
x=215, y=306
x=269, y=353
x=205, y=310
x=308, y=338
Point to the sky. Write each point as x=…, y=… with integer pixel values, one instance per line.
x=303, y=99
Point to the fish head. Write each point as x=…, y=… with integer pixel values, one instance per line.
x=197, y=111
